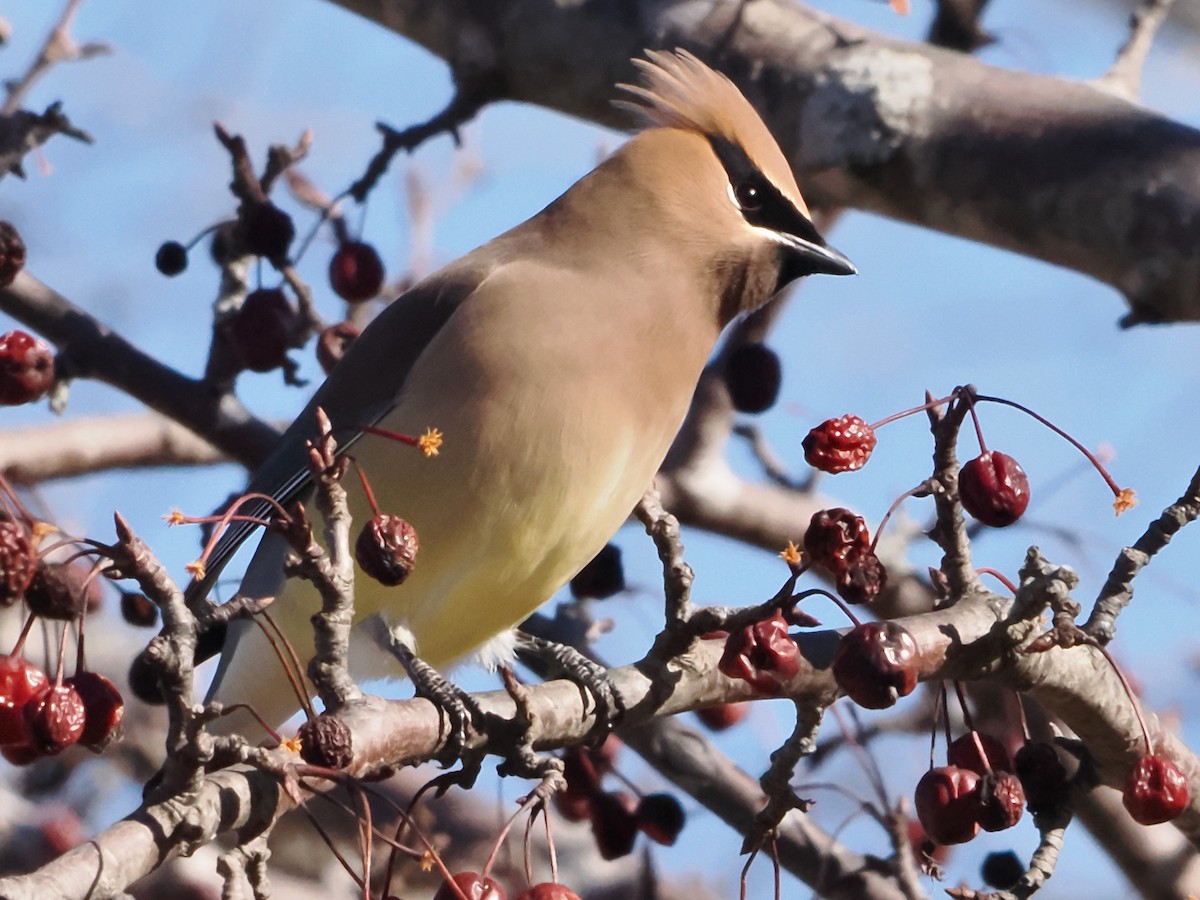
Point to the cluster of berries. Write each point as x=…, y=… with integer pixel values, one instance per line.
x=474, y=886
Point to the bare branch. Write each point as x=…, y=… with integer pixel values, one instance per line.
x=1124, y=78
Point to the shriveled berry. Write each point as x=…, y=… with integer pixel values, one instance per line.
x=834, y=536
x=614, y=824
x=137, y=610
x=58, y=591
x=333, y=343
x=863, y=578
x=947, y=804
x=839, y=445
x=1155, y=791
x=261, y=329
x=994, y=489
x=386, y=549
x=660, y=817
x=876, y=664
x=171, y=258
x=723, y=715
x=1002, y=870
x=762, y=654
x=964, y=752
x=26, y=368
x=55, y=718
x=1001, y=801
x=602, y=577
x=12, y=253
x=548, y=890
x=356, y=271
x=753, y=375
x=1043, y=777
x=473, y=885
x=103, y=707
x=326, y=741
x=18, y=561
x=20, y=681
x=266, y=230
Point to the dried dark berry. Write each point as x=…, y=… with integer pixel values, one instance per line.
x=356, y=272
x=266, y=230
x=602, y=577
x=1155, y=791
x=326, y=741
x=55, y=718
x=386, y=549
x=947, y=804
x=834, y=536
x=1002, y=870
x=839, y=445
x=171, y=258
x=137, y=610
x=333, y=343
x=862, y=580
x=614, y=824
x=661, y=818
x=20, y=681
x=18, y=561
x=1001, y=801
x=473, y=885
x=58, y=591
x=876, y=664
x=1043, y=778
x=753, y=375
x=12, y=253
x=994, y=489
x=26, y=368
x=762, y=654
x=261, y=329
x=103, y=706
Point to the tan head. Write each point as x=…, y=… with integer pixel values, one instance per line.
x=742, y=182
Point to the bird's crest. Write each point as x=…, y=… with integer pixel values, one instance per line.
x=680, y=91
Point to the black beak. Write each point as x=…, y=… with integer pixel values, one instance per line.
x=812, y=258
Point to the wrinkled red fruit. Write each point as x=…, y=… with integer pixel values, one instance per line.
x=753, y=375
x=473, y=885
x=602, y=577
x=723, y=715
x=333, y=343
x=103, y=707
x=58, y=591
x=1001, y=801
x=261, y=330
x=1155, y=791
x=835, y=536
x=55, y=719
x=26, y=368
x=964, y=753
x=1042, y=776
x=862, y=580
x=548, y=891
x=660, y=817
x=876, y=664
x=947, y=804
x=614, y=825
x=994, y=489
x=171, y=258
x=18, y=562
x=20, y=681
x=839, y=445
x=386, y=549
x=356, y=272
x=266, y=230
x=12, y=253
x=762, y=654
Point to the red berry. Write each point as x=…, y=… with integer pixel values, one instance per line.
x=20, y=681
x=994, y=489
x=473, y=885
x=261, y=330
x=1043, y=778
x=1155, y=791
x=1001, y=801
x=614, y=825
x=386, y=549
x=602, y=577
x=947, y=804
x=12, y=254
x=862, y=580
x=26, y=368
x=723, y=715
x=876, y=664
x=333, y=343
x=548, y=891
x=762, y=653
x=55, y=718
x=753, y=375
x=103, y=706
x=21, y=754
x=839, y=445
x=964, y=753
x=834, y=536
x=356, y=272
x=661, y=818
x=583, y=784
x=18, y=561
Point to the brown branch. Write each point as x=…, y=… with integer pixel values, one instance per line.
x=58, y=47
x=1124, y=77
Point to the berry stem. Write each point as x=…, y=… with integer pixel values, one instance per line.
x=970, y=397
x=362, y=476
x=837, y=601
x=911, y=492
x=291, y=665
x=931, y=404
x=962, y=702
x=999, y=576
x=28, y=627
x=200, y=236
x=939, y=703
x=1137, y=707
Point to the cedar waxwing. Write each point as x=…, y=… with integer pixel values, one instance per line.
x=559, y=361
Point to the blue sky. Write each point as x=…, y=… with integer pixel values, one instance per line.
x=927, y=311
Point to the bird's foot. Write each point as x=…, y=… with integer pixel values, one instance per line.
x=564, y=661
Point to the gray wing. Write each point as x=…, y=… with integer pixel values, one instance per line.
x=360, y=390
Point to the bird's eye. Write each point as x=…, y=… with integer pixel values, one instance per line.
x=748, y=196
